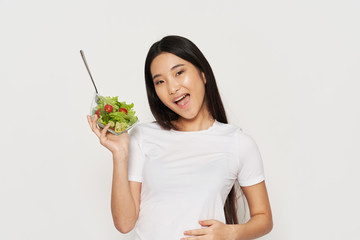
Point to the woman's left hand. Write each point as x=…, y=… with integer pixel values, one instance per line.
x=215, y=230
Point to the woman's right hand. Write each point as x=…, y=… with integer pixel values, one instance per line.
x=116, y=144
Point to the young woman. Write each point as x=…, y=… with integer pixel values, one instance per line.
x=174, y=178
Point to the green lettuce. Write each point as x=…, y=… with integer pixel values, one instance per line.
x=119, y=121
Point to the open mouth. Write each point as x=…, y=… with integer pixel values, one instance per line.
x=183, y=100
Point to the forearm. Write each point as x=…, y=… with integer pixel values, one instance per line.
x=257, y=226
x=122, y=203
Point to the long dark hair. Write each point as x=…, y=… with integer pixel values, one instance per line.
x=164, y=116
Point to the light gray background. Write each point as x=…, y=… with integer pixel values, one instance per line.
x=288, y=72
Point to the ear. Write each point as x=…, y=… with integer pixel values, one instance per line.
x=203, y=77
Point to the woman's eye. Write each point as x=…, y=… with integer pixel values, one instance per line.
x=159, y=82
x=179, y=73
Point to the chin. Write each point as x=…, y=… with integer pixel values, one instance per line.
x=187, y=116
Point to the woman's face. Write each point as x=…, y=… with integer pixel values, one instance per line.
x=179, y=85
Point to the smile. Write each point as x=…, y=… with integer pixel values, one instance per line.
x=181, y=97
x=182, y=101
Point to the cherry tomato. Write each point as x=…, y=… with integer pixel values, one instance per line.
x=123, y=110
x=98, y=112
x=108, y=108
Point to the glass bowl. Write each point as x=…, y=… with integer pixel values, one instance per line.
x=94, y=104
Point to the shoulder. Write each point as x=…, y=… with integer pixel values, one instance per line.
x=237, y=133
x=147, y=125
x=144, y=128
x=224, y=129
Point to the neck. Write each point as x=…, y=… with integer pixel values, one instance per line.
x=202, y=121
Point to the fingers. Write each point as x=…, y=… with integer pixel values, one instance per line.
x=103, y=132
x=202, y=231
x=196, y=232
x=93, y=125
x=203, y=237
x=208, y=222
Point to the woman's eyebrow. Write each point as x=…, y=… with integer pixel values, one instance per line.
x=177, y=65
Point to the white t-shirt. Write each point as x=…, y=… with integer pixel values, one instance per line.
x=186, y=176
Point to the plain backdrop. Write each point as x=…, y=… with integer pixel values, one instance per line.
x=288, y=73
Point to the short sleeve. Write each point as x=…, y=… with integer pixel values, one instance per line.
x=251, y=170
x=136, y=157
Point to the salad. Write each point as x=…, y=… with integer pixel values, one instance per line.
x=120, y=115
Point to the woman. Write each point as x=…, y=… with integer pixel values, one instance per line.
x=173, y=178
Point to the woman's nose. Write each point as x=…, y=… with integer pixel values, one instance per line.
x=173, y=87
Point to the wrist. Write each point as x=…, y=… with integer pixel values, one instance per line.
x=237, y=231
x=120, y=155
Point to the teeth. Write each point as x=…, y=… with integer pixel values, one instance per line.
x=180, y=98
